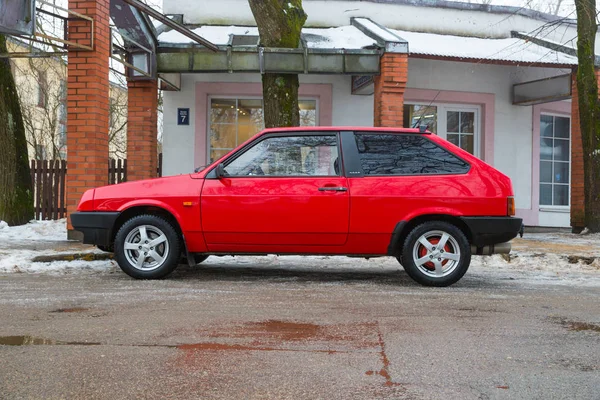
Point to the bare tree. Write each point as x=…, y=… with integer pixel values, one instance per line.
x=279, y=24
x=41, y=85
x=16, y=195
x=589, y=109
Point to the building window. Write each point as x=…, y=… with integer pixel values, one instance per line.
x=232, y=121
x=460, y=129
x=555, y=160
x=416, y=115
x=456, y=123
x=62, y=134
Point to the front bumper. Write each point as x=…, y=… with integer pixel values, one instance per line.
x=97, y=227
x=487, y=231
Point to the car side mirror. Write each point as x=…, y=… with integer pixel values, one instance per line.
x=220, y=171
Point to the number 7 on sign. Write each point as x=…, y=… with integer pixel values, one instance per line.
x=183, y=116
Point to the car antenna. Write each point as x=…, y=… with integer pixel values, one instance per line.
x=417, y=124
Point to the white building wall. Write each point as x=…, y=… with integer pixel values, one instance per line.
x=179, y=141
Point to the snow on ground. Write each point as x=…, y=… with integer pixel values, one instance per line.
x=537, y=258
x=35, y=230
x=19, y=261
x=18, y=246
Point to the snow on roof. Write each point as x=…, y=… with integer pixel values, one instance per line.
x=378, y=30
x=509, y=49
x=218, y=35
x=350, y=37
x=344, y=37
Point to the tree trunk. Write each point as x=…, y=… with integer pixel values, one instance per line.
x=279, y=25
x=589, y=109
x=16, y=196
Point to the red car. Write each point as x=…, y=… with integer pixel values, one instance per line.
x=360, y=192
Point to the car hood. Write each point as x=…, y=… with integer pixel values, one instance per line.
x=113, y=197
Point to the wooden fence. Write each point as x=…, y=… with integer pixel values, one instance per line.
x=48, y=178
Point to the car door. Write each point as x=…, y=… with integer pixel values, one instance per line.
x=395, y=176
x=282, y=189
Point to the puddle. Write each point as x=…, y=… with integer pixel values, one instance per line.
x=238, y=347
x=70, y=310
x=582, y=326
x=579, y=326
x=35, y=341
x=285, y=330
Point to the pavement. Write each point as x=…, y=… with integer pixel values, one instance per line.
x=308, y=328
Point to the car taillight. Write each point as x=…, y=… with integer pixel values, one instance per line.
x=510, y=206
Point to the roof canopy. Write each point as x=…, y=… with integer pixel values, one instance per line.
x=352, y=49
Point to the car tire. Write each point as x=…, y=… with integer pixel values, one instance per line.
x=147, y=247
x=427, y=263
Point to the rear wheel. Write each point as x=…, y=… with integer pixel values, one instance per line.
x=436, y=253
x=147, y=247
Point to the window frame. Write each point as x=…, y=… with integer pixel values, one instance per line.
x=424, y=136
x=236, y=97
x=552, y=207
x=444, y=108
x=232, y=157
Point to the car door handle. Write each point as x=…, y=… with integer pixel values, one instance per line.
x=333, y=189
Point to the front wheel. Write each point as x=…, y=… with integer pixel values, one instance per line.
x=436, y=253
x=147, y=247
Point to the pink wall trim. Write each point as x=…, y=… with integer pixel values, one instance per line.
x=322, y=92
x=486, y=101
x=532, y=216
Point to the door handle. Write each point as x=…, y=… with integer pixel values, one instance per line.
x=333, y=189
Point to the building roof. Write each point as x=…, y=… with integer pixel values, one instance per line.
x=508, y=50
x=350, y=37
x=343, y=37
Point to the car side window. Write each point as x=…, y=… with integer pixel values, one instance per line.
x=401, y=154
x=303, y=155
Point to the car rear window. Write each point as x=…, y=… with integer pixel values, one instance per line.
x=401, y=154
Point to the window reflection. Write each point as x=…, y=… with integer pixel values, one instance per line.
x=289, y=156
x=399, y=154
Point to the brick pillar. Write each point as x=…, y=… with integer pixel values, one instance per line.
x=142, y=114
x=87, y=103
x=389, y=90
x=577, y=177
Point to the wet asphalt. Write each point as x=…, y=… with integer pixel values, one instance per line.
x=244, y=333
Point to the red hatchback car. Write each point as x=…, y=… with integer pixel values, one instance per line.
x=360, y=192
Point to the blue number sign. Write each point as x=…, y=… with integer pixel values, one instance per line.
x=183, y=116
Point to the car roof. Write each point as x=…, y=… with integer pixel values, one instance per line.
x=344, y=128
